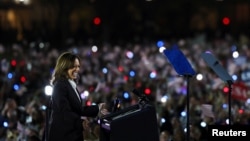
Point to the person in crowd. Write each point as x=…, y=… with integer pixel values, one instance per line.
x=67, y=109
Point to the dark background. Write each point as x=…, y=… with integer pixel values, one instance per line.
x=61, y=22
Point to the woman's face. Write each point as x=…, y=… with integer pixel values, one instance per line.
x=73, y=72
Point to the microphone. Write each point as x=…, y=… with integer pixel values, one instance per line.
x=142, y=98
x=116, y=105
x=137, y=93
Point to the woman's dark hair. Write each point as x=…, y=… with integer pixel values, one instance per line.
x=64, y=62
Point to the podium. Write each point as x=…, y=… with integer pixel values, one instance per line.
x=134, y=123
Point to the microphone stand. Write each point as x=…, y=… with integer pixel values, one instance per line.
x=187, y=98
x=229, y=101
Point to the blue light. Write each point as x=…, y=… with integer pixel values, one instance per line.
x=224, y=106
x=132, y=73
x=152, y=74
x=235, y=77
x=183, y=113
x=160, y=44
x=5, y=124
x=10, y=75
x=126, y=95
x=16, y=87
x=105, y=70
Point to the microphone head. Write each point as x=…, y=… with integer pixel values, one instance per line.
x=137, y=93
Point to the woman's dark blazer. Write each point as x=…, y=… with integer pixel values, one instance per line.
x=65, y=121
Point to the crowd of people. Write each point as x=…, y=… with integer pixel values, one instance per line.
x=113, y=71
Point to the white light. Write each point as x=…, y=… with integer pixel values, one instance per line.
x=164, y=99
x=199, y=77
x=84, y=94
x=163, y=120
x=183, y=113
x=41, y=45
x=153, y=74
x=130, y=54
x=29, y=66
x=227, y=121
x=235, y=77
x=48, y=90
x=248, y=101
x=203, y=124
x=5, y=124
x=161, y=49
x=26, y=2
x=235, y=54
x=94, y=48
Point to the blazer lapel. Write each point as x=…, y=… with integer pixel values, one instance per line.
x=78, y=93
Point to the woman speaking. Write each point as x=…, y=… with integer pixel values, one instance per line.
x=65, y=123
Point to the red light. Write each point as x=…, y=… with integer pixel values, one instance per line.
x=88, y=103
x=13, y=62
x=147, y=91
x=241, y=111
x=120, y=68
x=97, y=21
x=226, y=21
x=23, y=79
x=225, y=89
x=125, y=78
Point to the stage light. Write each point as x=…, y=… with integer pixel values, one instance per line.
x=226, y=21
x=97, y=21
